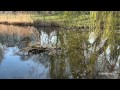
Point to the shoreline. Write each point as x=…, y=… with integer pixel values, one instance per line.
x=44, y=24
x=41, y=24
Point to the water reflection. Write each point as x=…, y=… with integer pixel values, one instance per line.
x=86, y=58
x=83, y=54
x=34, y=66
x=12, y=67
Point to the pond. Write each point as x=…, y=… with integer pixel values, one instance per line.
x=83, y=54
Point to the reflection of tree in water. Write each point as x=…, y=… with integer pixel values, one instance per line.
x=25, y=57
x=86, y=60
x=18, y=36
x=47, y=33
x=78, y=61
x=71, y=62
x=23, y=37
x=24, y=42
x=15, y=35
x=1, y=55
x=58, y=67
x=42, y=58
x=1, y=52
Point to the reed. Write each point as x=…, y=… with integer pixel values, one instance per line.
x=18, y=18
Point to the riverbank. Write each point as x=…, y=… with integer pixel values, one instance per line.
x=42, y=20
x=25, y=20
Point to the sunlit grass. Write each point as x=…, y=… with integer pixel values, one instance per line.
x=47, y=18
x=19, y=18
x=31, y=18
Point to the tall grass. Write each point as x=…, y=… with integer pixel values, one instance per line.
x=16, y=18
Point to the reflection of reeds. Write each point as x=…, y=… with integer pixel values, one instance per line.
x=14, y=35
x=18, y=31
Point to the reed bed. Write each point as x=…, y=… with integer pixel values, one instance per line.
x=19, y=18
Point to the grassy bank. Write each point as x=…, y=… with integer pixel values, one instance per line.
x=28, y=19
x=19, y=18
x=81, y=21
x=42, y=20
x=91, y=21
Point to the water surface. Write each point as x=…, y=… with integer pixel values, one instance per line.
x=83, y=55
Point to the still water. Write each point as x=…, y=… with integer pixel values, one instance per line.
x=83, y=55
